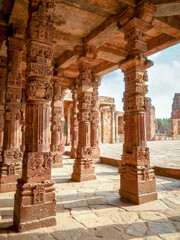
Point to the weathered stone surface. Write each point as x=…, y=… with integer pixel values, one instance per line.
x=137, y=229
x=155, y=206
x=160, y=227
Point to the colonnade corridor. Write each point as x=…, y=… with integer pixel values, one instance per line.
x=48, y=48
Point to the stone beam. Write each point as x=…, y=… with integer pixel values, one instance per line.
x=104, y=68
x=158, y=43
x=111, y=55
x=167, y=27
x=109, y=28
x=172, y=21
x=131, y=3
x=66, y=59
x=167, y=9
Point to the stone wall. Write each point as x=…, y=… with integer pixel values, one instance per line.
x=174, y=122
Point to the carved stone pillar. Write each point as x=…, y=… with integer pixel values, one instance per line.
x=138, y=182
x=100, y=126
x=10, y=167
x=68, y=126
x=35, y=203
x=112, y=123
x=103, y=112
x=116, y=128
x=57, y=124
x=95, y=120
x=74, y=123
x=83, y=167
x=3, y=76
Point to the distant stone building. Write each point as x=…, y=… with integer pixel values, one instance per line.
x=174, y=122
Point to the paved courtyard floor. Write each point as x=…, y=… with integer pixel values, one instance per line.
x=92, y=210
x=162, y=153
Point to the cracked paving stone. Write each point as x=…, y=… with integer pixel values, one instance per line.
x=137, y=229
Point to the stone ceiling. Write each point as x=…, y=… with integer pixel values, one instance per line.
x=99, y=23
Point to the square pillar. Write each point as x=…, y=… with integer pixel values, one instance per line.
x=95, y=120
x=57, y=124
x=138, y=181
x=83, y=169
x=34, y=203
x=75, y=131
x=10, y=166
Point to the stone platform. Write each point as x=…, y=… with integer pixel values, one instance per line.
x=162, y=153
x=92, y=210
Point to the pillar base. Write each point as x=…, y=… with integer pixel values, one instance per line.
x=9, y=173
x=96, y=154
x=138, y=199
x=34, y=205
x=83, y=177
x=138, y=184
x=31, y=225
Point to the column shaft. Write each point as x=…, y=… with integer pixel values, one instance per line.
x=35, y=203
x=68, y=126
x=112, y=123
x=10, y=167
x=138, y=182
x=57, y=125
x=83, y=167
x=75, y=131
x=95, y=120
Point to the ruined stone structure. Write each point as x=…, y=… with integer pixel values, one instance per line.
x=48, y=47
x=174, y=122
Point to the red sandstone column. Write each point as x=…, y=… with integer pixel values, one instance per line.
x=35, y=203
x=112, y=124
x=95, y=120
x=103, y=126
x=74, y=122
x=10, y=167
x=138, y=182
x=83, y=167
x=100, y=127
x=68, y=125
x=3, y=76
x=116, y=128
x=57, y=124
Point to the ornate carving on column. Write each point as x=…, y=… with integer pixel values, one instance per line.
x=116, y=128
x=83, y=167
x=95, y=120
x=75, y=123
x=35, y=203
x=11, y=142
x=3, y=76
x=138, y=182
x=68, y=125
x=103, y=112
x=112, y=123
x=100, y=127
x=57, y=124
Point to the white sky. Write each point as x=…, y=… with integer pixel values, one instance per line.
x=164, y=82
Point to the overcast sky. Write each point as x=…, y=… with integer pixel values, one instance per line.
x=164, y=82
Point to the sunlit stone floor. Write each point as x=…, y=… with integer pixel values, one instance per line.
x=92, y=210
x=162, y=153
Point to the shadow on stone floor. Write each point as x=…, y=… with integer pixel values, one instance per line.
x=109, y=232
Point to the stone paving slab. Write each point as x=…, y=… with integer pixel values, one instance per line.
x=162, y=153
x=93, y=210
